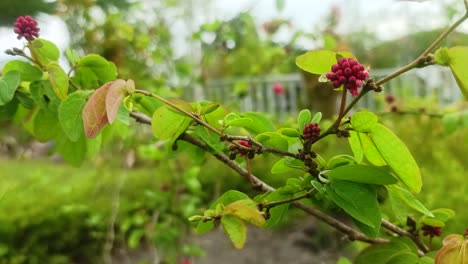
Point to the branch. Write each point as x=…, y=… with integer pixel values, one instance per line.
x=261, y=147
x=352, y=233
x=181, y=110
x=349, y=231
x=290, y=200
x=422, y=59
x=402, y=232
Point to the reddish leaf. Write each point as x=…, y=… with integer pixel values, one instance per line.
x=94, y=112
x=114, y=98
x=454, y=251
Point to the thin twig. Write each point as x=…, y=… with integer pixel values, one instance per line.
x=421, y=59
x=261, y=147
x=403, y=232
x=352, y=233
x=290, y=200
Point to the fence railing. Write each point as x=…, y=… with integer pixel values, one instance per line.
x=257, y=93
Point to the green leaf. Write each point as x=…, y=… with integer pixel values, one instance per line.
x=340, y=160
x=443, y=214
x=355, y=144
x=8, y=111
x=70, y=115
x=316, y=61
x=226, y=198
x=396, y=193
x=114, y=98
x=405, y=257
x=370, y=151
x=93, y=71
x=352, y=198
x=9, y=82
x=236, y=229
x=44, y=96
x=426, y=260
x=209, y=108
x=28, y=72
x=344, y=54
x=344, y=260
x=167, y=124
x=317, y=117
x=371, y=232
x=94, y=112
x=363, y=121
x=433, y=222
x=385, y=253
x=273, y=140
x=72, y=56
x=72, y=152
x=246, y=210
x=286, y=164
x=304, y=118
x=46, y=125
x=289, y=132
x=260, y=123
x=215, y=117
x=44, y=51
x=361, y=174
x=397, y=156
x=440, y=216
x=58, y=80
x=458, y=63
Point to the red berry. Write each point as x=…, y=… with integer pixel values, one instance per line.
x=466, y=232
x=278, y=88
x=431, y=231
x=311, y=132
x=26, y=27
x=348, y=72
x=389, y=99
x=245, y=143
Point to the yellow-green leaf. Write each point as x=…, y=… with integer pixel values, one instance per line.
x=397, y=156
x=246, y=210
x=236, y=229
x=363, y=121
x=58, y=80
x=370, y=151
x=458, y=63
x=316, y=61
x=454, y=250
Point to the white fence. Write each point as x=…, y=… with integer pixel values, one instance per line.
x=260, y=96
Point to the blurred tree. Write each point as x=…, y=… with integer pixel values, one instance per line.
x=11, y=9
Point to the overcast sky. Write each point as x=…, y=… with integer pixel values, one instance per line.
x=388, y=19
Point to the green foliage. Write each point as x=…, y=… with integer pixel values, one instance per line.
x=8, y=85
x=59, y=107
x=93, y=71
x=352, y=197
x=397, y=251
x=361, y=174
x=397, y=156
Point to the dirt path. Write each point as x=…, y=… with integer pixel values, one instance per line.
x=304, y=243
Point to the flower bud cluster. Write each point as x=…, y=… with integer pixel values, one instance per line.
x=311, y=132
x=348, y=72
x=26, y=27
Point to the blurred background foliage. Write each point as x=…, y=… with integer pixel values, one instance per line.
x=54, y=213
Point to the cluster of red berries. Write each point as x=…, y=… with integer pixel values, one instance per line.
x=348, y=72
x=26, y=27
x=432, y=231
x=311, y=132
